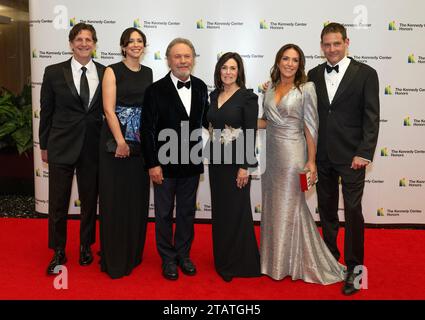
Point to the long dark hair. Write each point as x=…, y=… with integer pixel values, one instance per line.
x=300, y=76
x=240, y=80
x=125, y=38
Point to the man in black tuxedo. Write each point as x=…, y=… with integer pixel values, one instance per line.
x=348, y=105
x=70, y=121
x=177, y=103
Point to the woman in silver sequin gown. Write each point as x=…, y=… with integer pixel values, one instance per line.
x=290, y=242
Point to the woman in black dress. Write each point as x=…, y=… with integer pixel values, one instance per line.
x=232, y=119
x=123, y=183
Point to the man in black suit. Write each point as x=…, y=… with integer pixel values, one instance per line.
x=348, y=105
x=177, y=103
x=70, y=121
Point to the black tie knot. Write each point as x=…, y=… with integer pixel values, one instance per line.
x=330, y=68
x=84, y=69
x=181, y=84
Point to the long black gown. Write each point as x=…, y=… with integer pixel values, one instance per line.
x=234, y=244
x=123, y=182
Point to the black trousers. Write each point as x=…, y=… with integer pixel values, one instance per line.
x=60, y=184
x=352, y=182
x=173, y=248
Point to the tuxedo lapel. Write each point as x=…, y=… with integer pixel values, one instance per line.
x=67, y=72
x=346, y=80
x=194, y=101
x=100, y=72
x=321, y=88
x=177, y=102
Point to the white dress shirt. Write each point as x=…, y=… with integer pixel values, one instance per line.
x=333, y=79
x=185, y=94
x=91, y=74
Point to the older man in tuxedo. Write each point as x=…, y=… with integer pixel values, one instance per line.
x=176, y=101
x=348, y=105
x=70, y=121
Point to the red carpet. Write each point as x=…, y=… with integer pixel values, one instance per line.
x=395, y=261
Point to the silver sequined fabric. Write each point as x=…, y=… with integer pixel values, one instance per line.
x=290, y=241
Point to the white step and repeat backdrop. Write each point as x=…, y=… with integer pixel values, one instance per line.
x=386, y=34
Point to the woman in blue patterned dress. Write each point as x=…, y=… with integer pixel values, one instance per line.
x=123, y=183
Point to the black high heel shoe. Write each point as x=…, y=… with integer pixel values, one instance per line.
x=227, y=278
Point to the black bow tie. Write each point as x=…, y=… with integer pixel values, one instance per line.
x=181, y=84
x=329, y=68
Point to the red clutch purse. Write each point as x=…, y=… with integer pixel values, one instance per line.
x=305, y=180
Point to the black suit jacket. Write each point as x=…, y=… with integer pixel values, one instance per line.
x=163, y=109
x=65, y=125
x=349, y=125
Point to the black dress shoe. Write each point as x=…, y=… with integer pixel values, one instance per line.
x=169, y=271
x=349, y=287
x=187, y=267
x=86, y=256
x=59, y=258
